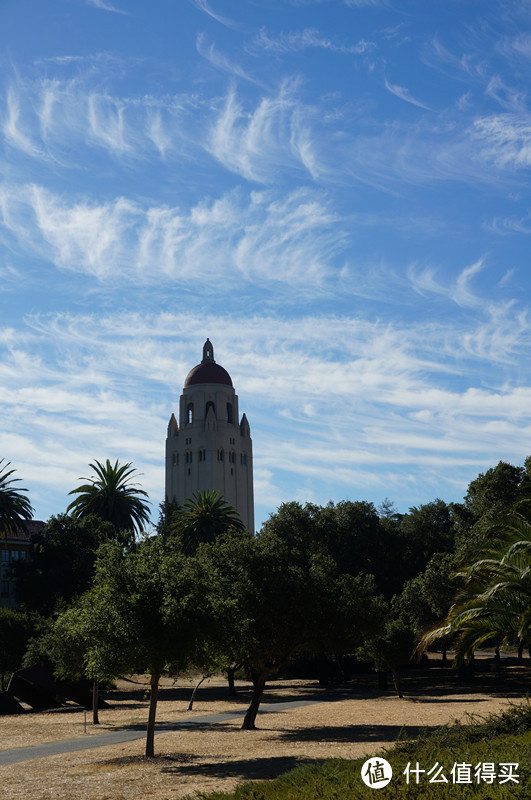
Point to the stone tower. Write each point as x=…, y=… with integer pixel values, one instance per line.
x=208, y=448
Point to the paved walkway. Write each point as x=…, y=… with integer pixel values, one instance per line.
x=20, y=754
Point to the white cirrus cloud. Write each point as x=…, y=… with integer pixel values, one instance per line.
x=308, y=38
x=210, y=52
x=506, y=139
x=259, y=237
x=260, y=144
x=106, y=6
x=405, y=94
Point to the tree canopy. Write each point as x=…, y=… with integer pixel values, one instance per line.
x=61, y=561
x=157, y=611
x=286, y=595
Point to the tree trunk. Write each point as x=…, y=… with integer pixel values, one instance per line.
x=153, y=697
x=397, y=685
x=191, y=703
x=230, y=675
x=382, y=679
x=520, y=652
x=95, y=698
x=250, y=715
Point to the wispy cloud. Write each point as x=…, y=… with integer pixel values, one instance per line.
x=424, y=281
x=505, y=140
x=267, y=137
x=404, y=94
x=468, y=66
x=258, y=237
x=221, y=61
x=308, y=38
x=508, y=97
x=106, y=123
x=501, y=329
x=106, y=6
x=259, y=144
x=207, y=9
x=12, y=129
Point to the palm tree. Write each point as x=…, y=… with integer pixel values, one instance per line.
x=203, y=518
x=15, y=509
x=112, y=497
x=496, y=599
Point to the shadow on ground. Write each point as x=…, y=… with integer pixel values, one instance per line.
x=353, y=733
x=250, y=769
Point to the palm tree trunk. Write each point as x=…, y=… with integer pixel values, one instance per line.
x=150, y=733
x=95, y=701
x=259, y=683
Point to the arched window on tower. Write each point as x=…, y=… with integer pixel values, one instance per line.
x=229, y=413
x=210, y=405
x=190, y=413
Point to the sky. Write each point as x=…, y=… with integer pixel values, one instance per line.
x=335, y=192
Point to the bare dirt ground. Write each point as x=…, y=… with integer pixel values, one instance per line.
x=348, y=721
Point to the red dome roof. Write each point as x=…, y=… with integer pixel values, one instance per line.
x=208, y=371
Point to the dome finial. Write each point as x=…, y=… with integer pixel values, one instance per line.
x=208, y=351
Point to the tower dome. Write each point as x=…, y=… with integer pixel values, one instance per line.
x=208, y=371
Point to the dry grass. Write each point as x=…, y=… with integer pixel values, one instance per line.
x=349, y=722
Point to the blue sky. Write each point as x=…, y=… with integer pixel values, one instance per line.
x=336, y=192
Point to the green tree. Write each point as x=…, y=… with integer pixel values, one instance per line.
x=496, y=599
x=16, y=628
x=15, y=508
x=425, y=530
x=203, y=518
x=61, y=561
x=167, y=509
x=168, y=608
x=286, y=596
x=88, y=639
x=389, y=648
x=427, y=597
x=361, y=542
x=491, y=494
x=112, y=497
